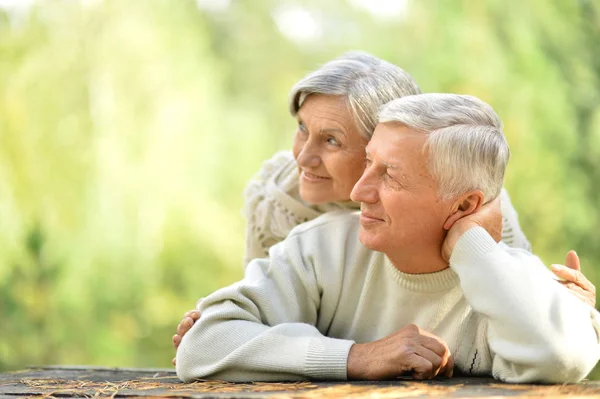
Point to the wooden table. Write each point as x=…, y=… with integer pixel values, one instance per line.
x=69, y=382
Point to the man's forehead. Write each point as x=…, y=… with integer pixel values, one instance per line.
x=394, y=140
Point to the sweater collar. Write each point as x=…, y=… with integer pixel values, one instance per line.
x=443, y=280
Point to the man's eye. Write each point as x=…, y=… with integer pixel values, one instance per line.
x=302, y=127
x=392, y=180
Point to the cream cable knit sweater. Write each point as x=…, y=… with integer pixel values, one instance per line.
x=273, y=207
x=296, y=314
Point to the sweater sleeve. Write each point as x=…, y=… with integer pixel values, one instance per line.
x=535, y=329
x=263, y=327
x=512, y=235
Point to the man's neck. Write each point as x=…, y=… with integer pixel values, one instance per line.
x=417, y=263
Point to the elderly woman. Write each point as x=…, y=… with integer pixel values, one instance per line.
x=336, y=108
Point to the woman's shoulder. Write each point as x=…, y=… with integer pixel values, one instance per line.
x=276, y=175
x=512, y=234
x=276, y=185
x=277, y=169
x=272, y=204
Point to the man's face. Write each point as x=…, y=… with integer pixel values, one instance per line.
x=401, y=211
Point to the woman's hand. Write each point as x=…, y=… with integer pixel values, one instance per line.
x=189, y=318
x=574, y=280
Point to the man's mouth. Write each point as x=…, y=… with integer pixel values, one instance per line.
x=369, y=218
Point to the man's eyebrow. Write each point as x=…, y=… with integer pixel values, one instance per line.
x=386, y=164
x=333, y=129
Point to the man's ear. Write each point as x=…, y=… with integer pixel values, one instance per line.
x=464, y=205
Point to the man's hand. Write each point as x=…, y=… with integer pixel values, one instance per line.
x=489, y=216
x=408, y=350
x=189, y=318
x=574, y=280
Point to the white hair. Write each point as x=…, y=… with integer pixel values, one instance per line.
x=466, y=145
x=366, y=82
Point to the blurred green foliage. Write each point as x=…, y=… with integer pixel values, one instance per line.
x=128, y=130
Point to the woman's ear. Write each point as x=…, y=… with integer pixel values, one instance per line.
x=464, y=205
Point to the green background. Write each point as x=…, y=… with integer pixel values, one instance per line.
x=128, y=130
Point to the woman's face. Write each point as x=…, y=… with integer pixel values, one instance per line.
x=328, y=148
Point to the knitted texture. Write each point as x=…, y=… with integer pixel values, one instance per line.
x=296, y=314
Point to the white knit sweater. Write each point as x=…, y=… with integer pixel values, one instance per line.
x=273, y=207
x=296, y=314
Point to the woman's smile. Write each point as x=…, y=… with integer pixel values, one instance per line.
x=312, y=178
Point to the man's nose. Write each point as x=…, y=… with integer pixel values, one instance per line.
x=365, y=189
x=309, y=156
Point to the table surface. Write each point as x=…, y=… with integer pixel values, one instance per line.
x=81, y=381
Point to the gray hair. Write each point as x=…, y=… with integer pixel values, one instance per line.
x=366, y=81
x=467, y=149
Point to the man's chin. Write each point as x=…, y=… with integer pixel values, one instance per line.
x=368, y=239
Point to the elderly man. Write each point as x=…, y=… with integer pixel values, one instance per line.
x=411, y=285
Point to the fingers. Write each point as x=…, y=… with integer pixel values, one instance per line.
x=427, y=364
x=576, y=282
x=174, y=361
x=193, y=314
x=565, y=272
x=573, y=276
x=449, y=371
x=185, y=326
x=422, y=367
x=176, y=340
x=408, y=350
x=429, y=368
x=572, y=261
x=437, y=353
x=433, y=343
x=189, y=318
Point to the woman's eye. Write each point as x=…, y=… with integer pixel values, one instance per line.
x=301, y=127
x=332, y=141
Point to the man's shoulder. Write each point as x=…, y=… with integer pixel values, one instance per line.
x=330, y=243
x=341, y=223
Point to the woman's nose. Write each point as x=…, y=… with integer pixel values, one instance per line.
x=309, y=156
